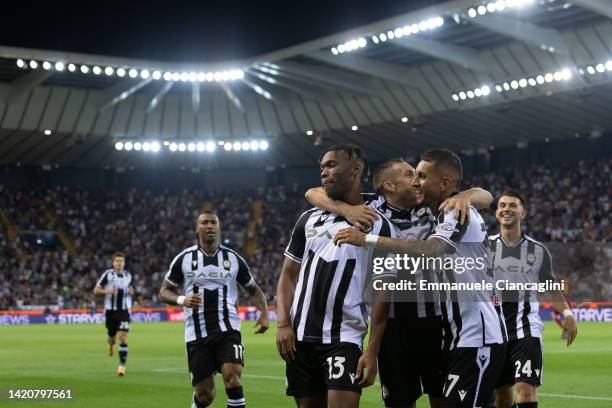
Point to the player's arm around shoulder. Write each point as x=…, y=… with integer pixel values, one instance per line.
x=361, y=216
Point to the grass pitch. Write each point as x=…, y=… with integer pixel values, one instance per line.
x=74, y=356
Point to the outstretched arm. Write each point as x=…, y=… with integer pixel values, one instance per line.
x=361, y=216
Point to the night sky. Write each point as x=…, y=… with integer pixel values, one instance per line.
x=189, y=31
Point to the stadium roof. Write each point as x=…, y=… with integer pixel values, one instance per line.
x=464, y=74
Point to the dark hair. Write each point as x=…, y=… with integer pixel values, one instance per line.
x=354, y=153
x=118, y=255
x=515, y=194
x=379, y=170
x=446, y=159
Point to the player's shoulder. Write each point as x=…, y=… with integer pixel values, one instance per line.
x=232, y=251
x=495, y=237
x=186, y=251
x=381, y=223
x=536, y=243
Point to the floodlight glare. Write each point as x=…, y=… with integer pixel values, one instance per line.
x=227, y=147
x=246, y=146
x=472, y=13
x=120, y=72
x=127, y=146
x=455, y=97
x=146, y=146
x=155, y=147
x=210, y=146
x=173, y=147
x=254, y=145
x=84, y=69
x=59, y=66
x=109, y=71
x=71, y=67
x=46, y=65
x=485, y=90
x=144, y=74
x=137, y=146
x=33, y=64
x=200, y=146
x=119, y=146
x=182, y=147
x=263, y=145
x=20, y=63
x=470, y=94
x=97, y=70
x=354, y=128
x=133, y=73
x=237, y=146
x=156, y=75
x=191, y=147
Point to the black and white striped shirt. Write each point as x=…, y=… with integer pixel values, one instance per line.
x=528, y=261
x=329, y=305
x=120, y=300
x=470, y=318
x=214, y=277
x=412, y=224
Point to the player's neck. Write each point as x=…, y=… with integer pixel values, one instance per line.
x=209, y=248
x=401, y=203
x=353, y=197
x=512, y=235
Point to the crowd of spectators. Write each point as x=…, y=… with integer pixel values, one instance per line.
x=567, y=203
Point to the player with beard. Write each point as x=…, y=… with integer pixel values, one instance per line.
x=409, y=364
x=209, y=273
x=322, y=296
x=473, y=331
x=519, y=258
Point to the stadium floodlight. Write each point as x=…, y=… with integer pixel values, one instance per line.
x=478, y=92
x=157, y=75
x=176, y=76
x=390, y=35
x=506, y=86
x=133, y=73
x=220, y=142
x=472, y=13
x=217, y=76
x=334, y=51
x=532, y=82
x=46, y=65
x=97, y=70
x=455, y=97
x=548, y=78
x=84, y=69
x=201, y=76
x=470, y=94
x=210, y=146
x=383, y=37
x=405, y=118
x=71, y=67
x=486, y=90
x=120, y=72
x=128, y=146
x=341, y=48
x=155, y=147
x=398, y=32
x=254, y=145
x=191, y=147
x=246, y=146
x=21, y=63
x=566, y=74
x=109, y=71
x=119, y=146
x=192, y=76
x=609, y=65
x=173, y=147
x=167, y=76
x=590, y=70
x=33, y=64
x=166, y=143
x=462, y=96
x=514, y=84
x=500, y=5
x=309, y=132
x=47, y=132
x=144, y=74
x=137, y=146
x=59, y=66
x=263, y=145
x=225, y=75
x=482, y=10
x=210, y=76
x=200, y=146
x=522, y=82
x=540, y=79
x=354, y=128
x=237, y=146
x=146, y=146
x=374, y=39
x=491, y=7
x=498, y=88
x=181, y=147
x=600, y=68
x=227, y=147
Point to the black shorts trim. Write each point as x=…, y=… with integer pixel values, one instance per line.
x=117, y=320
x=524, y=362
x=206, y=356
x=309, y=373
x=410, y=361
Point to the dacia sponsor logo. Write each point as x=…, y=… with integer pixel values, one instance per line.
x=312, y=233
x=210, y=275
x=513, y=269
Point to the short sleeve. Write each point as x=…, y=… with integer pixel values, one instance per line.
x=175, y=276
x=297, y=243
x=546, y=270
x=449, y=229
x=103, y=281
x=244, y=276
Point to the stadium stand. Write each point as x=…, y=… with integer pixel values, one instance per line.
x=568, y=202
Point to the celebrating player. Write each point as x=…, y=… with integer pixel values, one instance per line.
x=117, y=285
x=473, y=330
x=321, y=296
x=209, y=273
x=520, y=258
x=409, y=364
